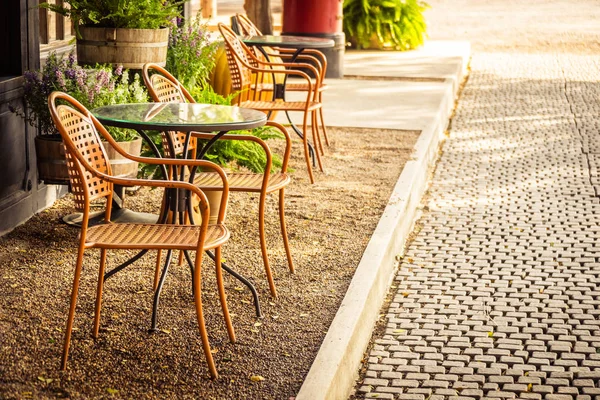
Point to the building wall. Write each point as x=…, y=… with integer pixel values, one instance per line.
x=21, y=193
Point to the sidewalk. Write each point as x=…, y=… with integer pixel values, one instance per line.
x=498, y=295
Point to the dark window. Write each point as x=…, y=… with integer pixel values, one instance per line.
x=10, y=40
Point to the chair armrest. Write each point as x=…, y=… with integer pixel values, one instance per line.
x=302, y=58
x=262, y=143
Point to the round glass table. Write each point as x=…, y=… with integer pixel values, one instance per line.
x=288, y=41
x=182, y=117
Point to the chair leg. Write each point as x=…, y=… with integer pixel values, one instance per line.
x=263, y=243
x=99, y=293
x=223, y=296
x=306, y=151
x=180, y=260
x=286, y=243
x=323, y=126
x=157, y=270
x=72, y=307
x=316, y=139
x=197, y=282
x=316, y=133
x=158, y=290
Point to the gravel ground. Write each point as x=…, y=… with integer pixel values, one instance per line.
x=329, y=225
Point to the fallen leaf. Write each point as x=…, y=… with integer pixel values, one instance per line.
x=257, y=324
x=238, y=288
x=271, y=303
x=168, y=332
x=399, y=330
x=304, y=315
x=256, y=378
x=111, y=391
x=245, y=301
x=214, y=351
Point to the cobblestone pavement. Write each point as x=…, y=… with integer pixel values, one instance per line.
x=498, y=296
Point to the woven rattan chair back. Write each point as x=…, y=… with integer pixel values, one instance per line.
x=165, y=88
x=80, y=135
x=246, y=26
x=239, y=66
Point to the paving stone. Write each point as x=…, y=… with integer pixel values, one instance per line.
x=405, y=383
x=376, y=382
x=411, y=396
x=379, y=396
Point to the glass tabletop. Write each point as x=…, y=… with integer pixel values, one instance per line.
x=295, y=42
x=183, y=117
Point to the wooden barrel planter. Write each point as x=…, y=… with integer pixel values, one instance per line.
x=52, y=166
x=131, y=48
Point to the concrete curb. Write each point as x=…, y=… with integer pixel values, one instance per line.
x=334, y=371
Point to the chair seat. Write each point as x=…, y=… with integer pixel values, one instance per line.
x=280, y=105
x=290, y=86
x=302, y=86
x=241, y=182
x=144, y=236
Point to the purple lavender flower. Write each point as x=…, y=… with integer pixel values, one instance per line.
x=71, y=59
x=102, y=78
x=80, y=77
x=60, y=80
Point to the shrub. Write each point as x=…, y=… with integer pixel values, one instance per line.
x=397, y=24
x=93, y=87
x=140, y=14
x=191, y=54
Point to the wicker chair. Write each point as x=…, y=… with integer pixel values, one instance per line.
x=242, y=67
x=312, y=56
x=91, y=179
x=164, y=87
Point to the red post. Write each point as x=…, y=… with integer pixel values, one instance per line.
x=312, y=16
x=318, y=18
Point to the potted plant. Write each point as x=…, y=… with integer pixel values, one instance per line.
x=385, y=24
x=125, y=32
x=93, y=87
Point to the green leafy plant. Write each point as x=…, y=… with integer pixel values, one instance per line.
x=191, y=55
x=139, y=14
x=244, y=153
x=93, y=87
x=396, y=24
